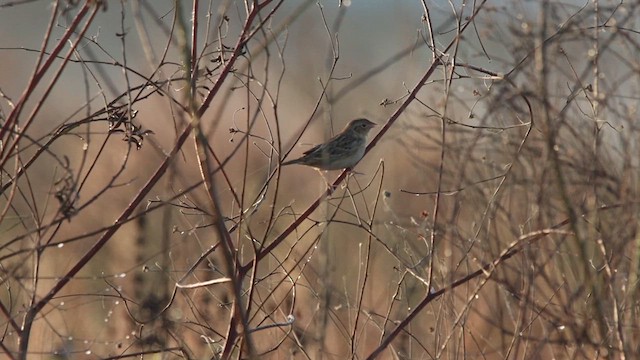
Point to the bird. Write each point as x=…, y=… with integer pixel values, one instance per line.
x=341, y=151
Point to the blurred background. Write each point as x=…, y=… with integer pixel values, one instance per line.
x=495, y=215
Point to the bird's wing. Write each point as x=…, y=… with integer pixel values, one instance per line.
x=312, y=149
x=337, y=145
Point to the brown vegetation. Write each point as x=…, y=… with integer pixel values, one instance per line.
x=144, y=210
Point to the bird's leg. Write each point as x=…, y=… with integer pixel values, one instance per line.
x=350, y=172
x=326, y=181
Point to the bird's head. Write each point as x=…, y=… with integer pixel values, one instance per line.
x=361, y=126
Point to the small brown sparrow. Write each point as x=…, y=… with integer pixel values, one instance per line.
x=341, y=151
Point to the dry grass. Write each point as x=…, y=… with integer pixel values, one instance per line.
x=494, y=216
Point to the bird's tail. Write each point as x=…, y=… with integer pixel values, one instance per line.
x=290, y=162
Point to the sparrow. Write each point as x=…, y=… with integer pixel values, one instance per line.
x=341, y=151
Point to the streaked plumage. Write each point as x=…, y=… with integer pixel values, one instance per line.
x=341, y=151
